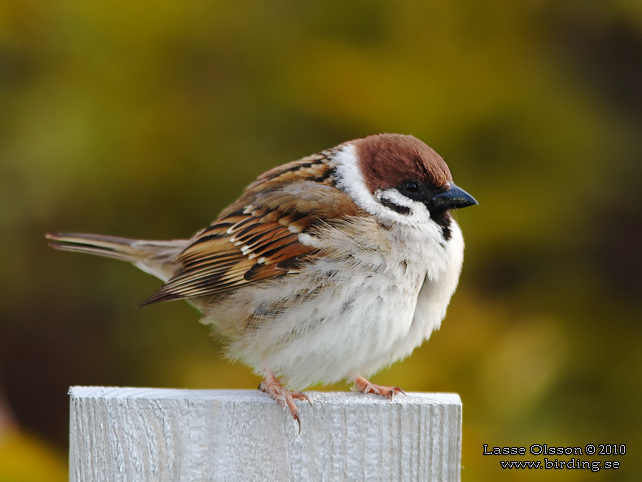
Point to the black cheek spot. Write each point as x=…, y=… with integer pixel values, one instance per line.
x=403, y=210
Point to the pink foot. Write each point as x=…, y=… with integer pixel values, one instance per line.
x=364, y=386
x=284, y=397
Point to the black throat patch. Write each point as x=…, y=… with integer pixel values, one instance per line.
x=443, y=219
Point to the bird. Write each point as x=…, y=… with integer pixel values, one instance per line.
x=326, y=269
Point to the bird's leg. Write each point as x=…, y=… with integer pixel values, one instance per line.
x=365, y=386
x=284, y=397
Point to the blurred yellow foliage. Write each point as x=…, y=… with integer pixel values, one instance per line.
x=25, y=458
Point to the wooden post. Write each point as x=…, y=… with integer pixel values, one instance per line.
x=145, y=434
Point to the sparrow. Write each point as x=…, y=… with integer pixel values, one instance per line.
x=327, y=268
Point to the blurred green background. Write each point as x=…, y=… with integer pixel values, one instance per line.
x=145, y=120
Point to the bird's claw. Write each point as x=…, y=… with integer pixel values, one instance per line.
x=284, y=397
x=365, y=386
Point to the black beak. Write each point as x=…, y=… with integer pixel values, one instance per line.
x=454, y=198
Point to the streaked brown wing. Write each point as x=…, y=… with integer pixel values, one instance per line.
x=260, y=238
x=235, y=251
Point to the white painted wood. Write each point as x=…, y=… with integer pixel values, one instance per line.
x=145, y=434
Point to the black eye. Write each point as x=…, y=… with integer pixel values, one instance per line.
x=412, y=187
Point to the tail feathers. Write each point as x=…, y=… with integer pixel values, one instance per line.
x=157, y=258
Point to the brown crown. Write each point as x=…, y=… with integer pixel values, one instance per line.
x=389, y=159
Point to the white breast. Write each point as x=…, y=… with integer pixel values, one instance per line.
x=352, y=312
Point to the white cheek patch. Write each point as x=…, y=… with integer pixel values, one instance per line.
x=399, y=208
x=395, y=206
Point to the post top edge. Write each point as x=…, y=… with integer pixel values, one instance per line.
x=88, y=392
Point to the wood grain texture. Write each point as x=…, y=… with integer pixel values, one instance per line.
x=141, y=434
